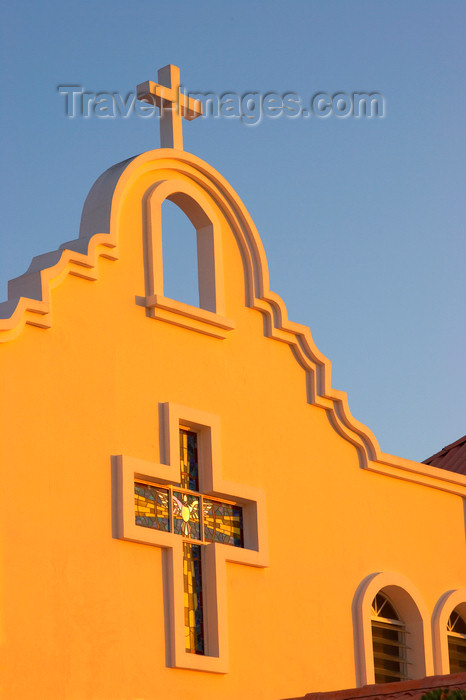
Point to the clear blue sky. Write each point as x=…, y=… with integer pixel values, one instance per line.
x=362, y=220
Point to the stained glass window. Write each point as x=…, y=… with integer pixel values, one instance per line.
x=184, y=511
x=456, y=628
x=151, y=506
x=193, y=604
x=188, y=460
x=223, y=522
x=186, y=515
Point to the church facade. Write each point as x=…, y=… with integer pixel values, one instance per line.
x=188, y=508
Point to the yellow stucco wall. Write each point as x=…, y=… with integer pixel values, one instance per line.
x=81, y=612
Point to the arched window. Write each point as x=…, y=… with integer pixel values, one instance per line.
x=391, y=630
x=456, y=630
x=388, y=642
x=180, y=256
x=192, y=295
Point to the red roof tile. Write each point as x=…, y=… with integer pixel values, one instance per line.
x=402, y=690
x=452, y=457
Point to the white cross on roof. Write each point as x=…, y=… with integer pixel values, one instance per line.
x=173, y=105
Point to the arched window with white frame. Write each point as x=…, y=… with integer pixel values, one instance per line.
x=204, y=308
x=392, y=633
x=456, y=631
x=449, y=632
x=388, y=642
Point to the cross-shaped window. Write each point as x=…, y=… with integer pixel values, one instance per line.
x=201, y=521
x=198, y=520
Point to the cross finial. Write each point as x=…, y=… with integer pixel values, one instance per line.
x=173, y=105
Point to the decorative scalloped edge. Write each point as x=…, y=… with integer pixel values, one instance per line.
x=30, y=297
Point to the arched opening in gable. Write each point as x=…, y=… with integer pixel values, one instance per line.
x=180, y=255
